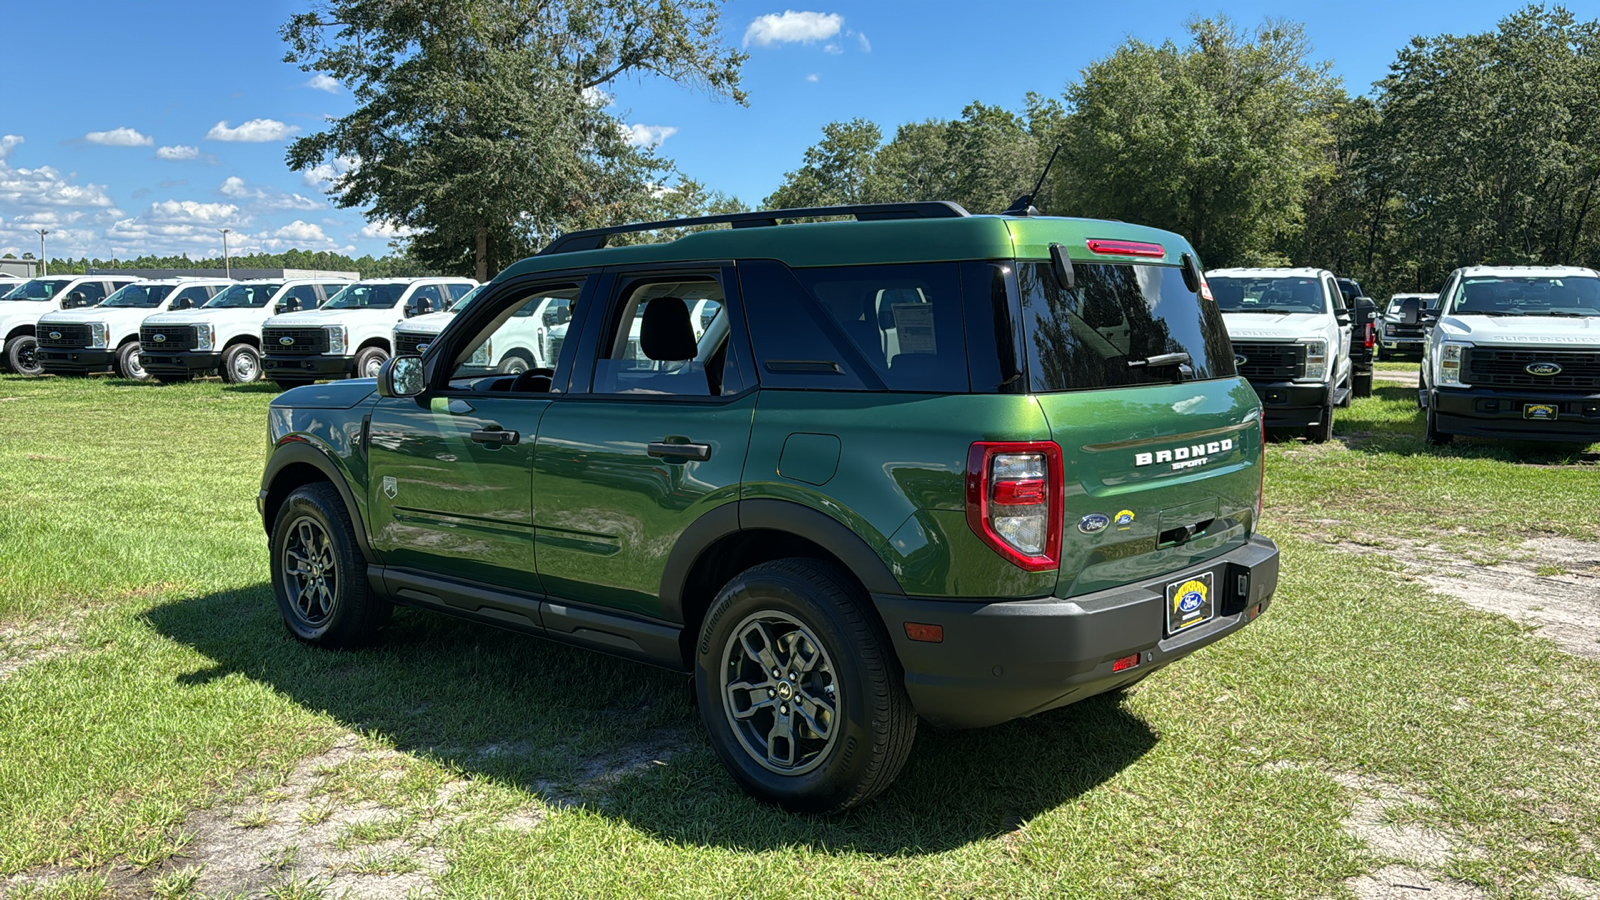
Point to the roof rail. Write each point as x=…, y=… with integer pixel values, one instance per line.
x=595, y=238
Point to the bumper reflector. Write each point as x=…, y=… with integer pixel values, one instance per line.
x=1127, y=662
x=932, y=634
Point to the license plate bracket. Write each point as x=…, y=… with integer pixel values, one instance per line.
x=1541, y=412
x=1191, y=602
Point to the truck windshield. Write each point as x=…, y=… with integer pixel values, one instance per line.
x=465, y=301
x=244, y=296
x=139, y=296
x=37, y=289
x=1122, y=325
x=1496, y=295
x=367, y=296
x=1289, y=294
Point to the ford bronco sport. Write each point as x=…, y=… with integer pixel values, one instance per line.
x=967, y=468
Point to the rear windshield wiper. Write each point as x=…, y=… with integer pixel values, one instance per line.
x=1160, y=360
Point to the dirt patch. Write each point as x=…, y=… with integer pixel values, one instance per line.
x=1552, y=584
x=1412, y=377
x=1409, y=842
x=22, y=645
x=1395, y=882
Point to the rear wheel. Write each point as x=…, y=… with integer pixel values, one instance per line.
x=128, y=363
x=22, y=355
x=800, y=690
x=369, y=361
x=1361, y=384
x=1322, y=432
x=515, y=363
x=318, y=577
x=241, y=364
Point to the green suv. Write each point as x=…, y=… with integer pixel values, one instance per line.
x=922, y=463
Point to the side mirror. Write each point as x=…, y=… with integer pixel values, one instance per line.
x=1365, y=303
x=1409, y=311
x=401, y=376
x=1061, y=264
x=75, y=300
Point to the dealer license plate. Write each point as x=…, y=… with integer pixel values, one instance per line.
x=1544, y=412
x=1190, y=602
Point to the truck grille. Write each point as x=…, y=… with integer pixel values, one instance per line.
x=1270, y=361
x=157, y=338
x=1488, y=367
x=302, y=341
x=1393, y=330
x=411, y=343
x=72, y=336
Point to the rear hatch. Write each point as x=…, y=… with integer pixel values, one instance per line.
x=1161, y=440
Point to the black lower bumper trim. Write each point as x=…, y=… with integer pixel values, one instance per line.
x=75, y=360
x=188, y=362
x=1502, y=413
x=301, y=366
x=1288, y=404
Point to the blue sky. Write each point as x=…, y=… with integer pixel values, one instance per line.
x=144, y=128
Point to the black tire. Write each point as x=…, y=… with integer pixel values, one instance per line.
x=22, y=356
x=128, y=363
x=286, y=383
x=788, y=605
x=1430, y=430
x=515, y=363
x=369, y=361
x=319, y=578
x=1322, y=432
x=1361, y=384
x=241, y=364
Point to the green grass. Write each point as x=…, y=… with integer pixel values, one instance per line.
x=131, y=547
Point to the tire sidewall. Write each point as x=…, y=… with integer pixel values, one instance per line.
x=14, y=351
x=362, y=360
x=312, y=502
x=128, y=353
x=849, y=758
x=233, y=353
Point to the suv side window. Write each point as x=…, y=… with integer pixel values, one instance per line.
x=425, y=299
x=654, y=343
x=508, y=346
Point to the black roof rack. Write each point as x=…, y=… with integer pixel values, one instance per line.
x=595, y=238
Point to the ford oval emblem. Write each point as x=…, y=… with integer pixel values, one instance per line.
x=158, y=338
x=55, y=335
x=1093, y=522
x=1543, y=368
x=1240, y=359
x=286, y=340
x=423, y=348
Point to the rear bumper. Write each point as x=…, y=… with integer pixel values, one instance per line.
x=1292, y=404
x=307, y=366
x=188, y=362
x=1004, y=660
x=75, y=360
x=1499, y=413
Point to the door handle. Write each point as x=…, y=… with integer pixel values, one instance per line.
x=496, y=436
x=701, y=452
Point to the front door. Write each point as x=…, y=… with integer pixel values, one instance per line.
x=651, y=437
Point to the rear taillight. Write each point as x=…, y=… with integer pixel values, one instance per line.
x=1371, y=338
x=1125, y=248
x=1014, y=500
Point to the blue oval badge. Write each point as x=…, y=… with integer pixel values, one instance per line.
x=1093, y=522
x=1240, y=359
x=1546, y=369
x=1190, y=602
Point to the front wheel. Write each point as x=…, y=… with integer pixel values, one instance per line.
x=800, y=690
x=1431, y=432
x=22, y=355
x=369, y=362
x=241, y=364
x=1361, y=384
x=1322, y=432
x=318, y=576
x=129, y=365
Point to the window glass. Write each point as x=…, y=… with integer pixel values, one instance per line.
x=1564, y=296
x=362, y=295
x=1268, y=294
x=37, y=289
x=298, y=298
x=93, y=292
x=1122, y=325
x=467, y=299
x=425, y=299
x=668, y=337
x=459, y=290
x=519, y=340
x=245, y=296
x=138, y=296
x=905, y=321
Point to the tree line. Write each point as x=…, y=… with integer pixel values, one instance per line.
x=397, y=266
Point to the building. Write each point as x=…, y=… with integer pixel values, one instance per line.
x=19, y=268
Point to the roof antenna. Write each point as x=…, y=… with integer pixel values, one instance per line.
x=1023, y=206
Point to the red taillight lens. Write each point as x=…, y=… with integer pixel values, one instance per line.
x=1127, y=662
x=1126, y=248
x=1370, y=337
x=1014, y=500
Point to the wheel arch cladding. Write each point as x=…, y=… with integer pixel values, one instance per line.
x=293, y=465
x=736, y=536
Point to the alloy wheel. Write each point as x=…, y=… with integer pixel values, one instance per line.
x=311, y=571
x=780, y=693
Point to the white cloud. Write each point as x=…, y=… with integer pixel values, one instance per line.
x=301, y=231
x=647, y=135
x=119, y=137
x=194, y=212
x=322, y=82
x=866, y=45
x=328, y=174
x=813, y=77
x=44, y=186
x=596, y=97
x=387, y=230
x=178, y=152
x=6, y=143
x=235, y=188
x=832, y=47
x=254, y=131
x=790, y=27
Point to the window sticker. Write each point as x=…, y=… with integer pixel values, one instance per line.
x=913, y=325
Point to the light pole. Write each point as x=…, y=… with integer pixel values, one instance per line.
x=227, y=263
x=44, y=261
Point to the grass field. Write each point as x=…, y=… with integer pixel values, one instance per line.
x=160, y=734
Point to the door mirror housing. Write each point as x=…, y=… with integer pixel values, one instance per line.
x=180, y=303
x=401, y=376
x=75, y=300
x=1365, y=303
x=1410, y=311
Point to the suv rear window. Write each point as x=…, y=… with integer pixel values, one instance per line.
x=1112, y=328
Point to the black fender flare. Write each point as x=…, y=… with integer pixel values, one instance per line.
x=303, y=452
x=773, y=515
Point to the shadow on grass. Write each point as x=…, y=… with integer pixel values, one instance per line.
x=570, y=725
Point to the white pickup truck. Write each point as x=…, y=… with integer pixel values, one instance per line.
x=224, y=336
x=24, y=305
x=1512, y=352
x=353, y=333
x=522, y=343
x=1291, y=336
x=106, y=337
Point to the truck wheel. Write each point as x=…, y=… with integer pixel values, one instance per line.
x=286, y=383
x=515, y=363
x=128, y=363
x=1431, y=432
x=1323, y=432
x=369, y=361
x=1361, y=384
x=241, y=364
x=22, y=355
x=800, y=690
x=318, y=577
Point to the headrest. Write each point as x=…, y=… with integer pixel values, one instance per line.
x=665, y=332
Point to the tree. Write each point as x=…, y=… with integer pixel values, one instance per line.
x=1217, y=140
x=481, y=123
x=840, y=170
